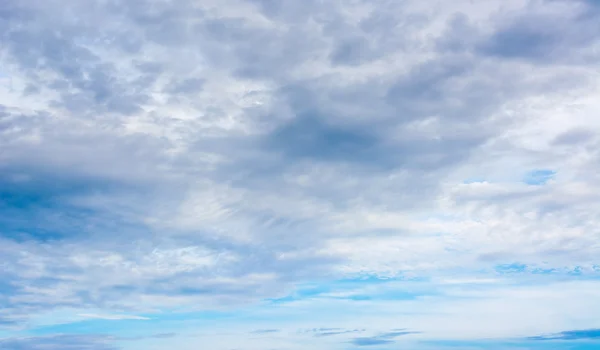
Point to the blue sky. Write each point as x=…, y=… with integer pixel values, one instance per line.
x=263, y=174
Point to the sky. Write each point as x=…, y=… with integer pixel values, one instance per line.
x=315, y=174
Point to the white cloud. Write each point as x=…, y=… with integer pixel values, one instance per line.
x=113, y=317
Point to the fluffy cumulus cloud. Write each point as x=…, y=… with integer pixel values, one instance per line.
x=252, y=174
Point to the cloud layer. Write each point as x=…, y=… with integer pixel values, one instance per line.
x=164, y=158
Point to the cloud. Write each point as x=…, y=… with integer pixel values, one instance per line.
x=113, y=317
x=166, y=157
x=265, y=331
x=309, y=138
x=381, y=339
x=370, y=341
x=587, y=334
x=152, y=336
x=530, y=36
x=327, y=332
x=84, y=342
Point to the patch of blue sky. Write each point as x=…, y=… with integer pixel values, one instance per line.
x=539, y=177
x=511, y=268
x=302, y=292
x=383, y=296
x=474, y=180
x=97, y=326
x=576, y=271
x=571, y=271
x=352, y=289
x=4, y=333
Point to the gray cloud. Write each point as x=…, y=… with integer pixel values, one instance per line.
x=554, y=35
x=308, y=137
x=574, y=137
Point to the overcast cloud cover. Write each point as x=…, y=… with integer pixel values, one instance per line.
x=286, y=174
